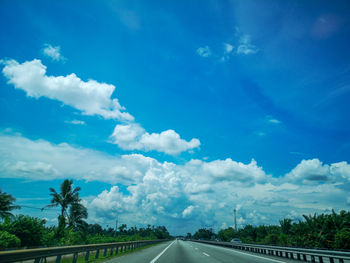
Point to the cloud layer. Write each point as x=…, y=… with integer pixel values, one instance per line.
x=134, y=137
x=183, y=197
x=91, y=97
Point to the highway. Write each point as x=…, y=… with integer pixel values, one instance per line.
x=192, y=252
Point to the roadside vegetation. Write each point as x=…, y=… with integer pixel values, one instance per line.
x=19, y=231
x=330, y=231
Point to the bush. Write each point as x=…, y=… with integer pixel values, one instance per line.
x=29, y=230
x=271, y=239
x=72, y=238
x=8, y=240
x=342, y=239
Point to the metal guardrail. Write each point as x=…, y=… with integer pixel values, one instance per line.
x=39, y=255
x=301, y=254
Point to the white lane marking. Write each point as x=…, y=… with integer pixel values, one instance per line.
x=206, y=254
x=274, y=260
x=161, y=253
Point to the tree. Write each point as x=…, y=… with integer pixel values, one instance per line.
x=77, y=214
x=8, y=240
x=30, y=230
x=6, y=204
x=286, y=225
x=67, y=197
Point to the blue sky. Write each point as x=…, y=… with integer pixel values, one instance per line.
x=176, y=113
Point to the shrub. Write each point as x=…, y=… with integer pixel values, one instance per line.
x=29, y=230
x=342, y=239
x=8, y=240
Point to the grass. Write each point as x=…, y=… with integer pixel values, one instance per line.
x=102, y=258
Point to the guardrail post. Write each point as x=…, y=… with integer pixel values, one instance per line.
x=304, y=257
x=58, y=259
x=116, y=249
x=105, y=252
x=320, y=259
x=124, y=248
x=111, y=252
x=341, y=260
x=75, y=257
x=313, y=258
x=97, y=253
x=331, y=260
x=87, y=254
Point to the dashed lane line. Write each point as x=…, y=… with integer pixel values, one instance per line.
x=235, y=251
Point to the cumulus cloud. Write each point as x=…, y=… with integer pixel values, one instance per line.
x=183, y=197
x=315, y=172
x=91, y=97
x=134, y=137
x=204, y=52
x=231, y=170
x=53, y=52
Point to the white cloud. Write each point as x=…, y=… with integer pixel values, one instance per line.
x=182, y=197
x=76, y=122
x=42, y=160
x=245, y=47
x=236, y=171
x=188, y=211
x=53, y=52
x=228, y=51
x=204, y=51
x=228, y=48
x=91, y=97
x=134, y=137
x=315, y=172
x=275, y=121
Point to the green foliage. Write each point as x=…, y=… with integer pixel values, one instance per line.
x=72, y=237
x=227, y=234
x=29, y=230
x=342, y=239
x=205, y=234
x=316, y=231
x=8, y=240
x=72, y=211
x=49, y=238
x=6, y=204
x=271, y=239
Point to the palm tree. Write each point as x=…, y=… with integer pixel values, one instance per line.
x=67, y=197
x=6, y=204
x=77, y=214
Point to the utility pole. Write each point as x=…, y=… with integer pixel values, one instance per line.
x=235, y=218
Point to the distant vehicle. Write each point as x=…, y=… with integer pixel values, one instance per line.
x=236, y=240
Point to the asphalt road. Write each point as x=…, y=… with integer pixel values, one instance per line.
x=192, y=252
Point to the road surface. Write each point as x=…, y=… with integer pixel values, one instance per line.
x=179, y=251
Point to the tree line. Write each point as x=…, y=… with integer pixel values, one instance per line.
x=330, y=231
x=72, y=229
